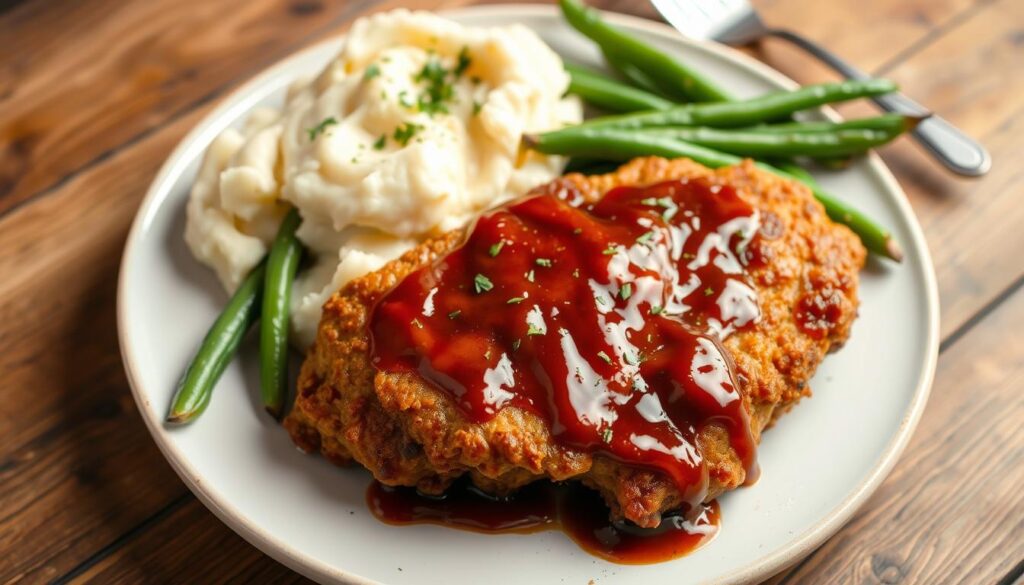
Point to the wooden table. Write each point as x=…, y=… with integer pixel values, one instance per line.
x=95, y=93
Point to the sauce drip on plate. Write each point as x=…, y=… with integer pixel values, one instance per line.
x=605, y=319
x=576, y=510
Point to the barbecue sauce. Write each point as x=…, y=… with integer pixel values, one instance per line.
x=570, y=507
x=604, y=318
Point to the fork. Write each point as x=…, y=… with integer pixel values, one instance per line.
x=735, y=22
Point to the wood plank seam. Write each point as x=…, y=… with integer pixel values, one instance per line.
x=1014, y=576
x=124, y=539
x=981, y=314
x=8, y=5
x=112, y=152
x=931, y=37
x=947, y=343
x=342, y=18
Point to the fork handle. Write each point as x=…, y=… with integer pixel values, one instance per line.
x=954, y=149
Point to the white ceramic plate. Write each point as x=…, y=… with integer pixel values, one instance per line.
x=819, y=465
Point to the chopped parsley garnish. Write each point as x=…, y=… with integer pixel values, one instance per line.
x=463, y=62
x=438, y=92
x=530, y=276
x=482, y=284
x=477, y=106
x=657, y=309
x=381, y=142
x=516, y=344
x=404, y=133
x=433, y=71
x=454, y=314
x=625, y=291
x=709, y=291
x=645, y=238
x=545, y=262
x=534, y=331
x=403, y=99
x=496, y=248
x=438, y=84
x=432, y=103
x=371, y=71
x=656, y=202
x=604, y=357
x=610, y=250
x=515, y=300
x=670, y=206
x=606, y=435
x=319, y=128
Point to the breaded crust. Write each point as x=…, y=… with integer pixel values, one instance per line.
x=407, y=432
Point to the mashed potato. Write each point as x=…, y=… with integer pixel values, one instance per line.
x=411, y=131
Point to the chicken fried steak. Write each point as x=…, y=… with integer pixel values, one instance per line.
x=665, y=316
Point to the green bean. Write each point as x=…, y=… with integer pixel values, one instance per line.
x=895, y=123
x=675, y=78
x=282, y=262
x=615, y=144
x=638, y=78
x=611, y=95
x=192, y=395
x=764, y=108
x=754, y=144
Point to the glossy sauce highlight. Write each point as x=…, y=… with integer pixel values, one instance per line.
x=605, y=319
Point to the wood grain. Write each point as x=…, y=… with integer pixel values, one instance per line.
x=121, y=69
x=871, y=34
x=953, y=509
x=70, y=425
x=88, y=115
x=167, y=553
x=71, y=429
x=972, y=226
x=967, y=221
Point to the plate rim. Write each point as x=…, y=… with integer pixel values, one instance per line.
x=283, y=552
